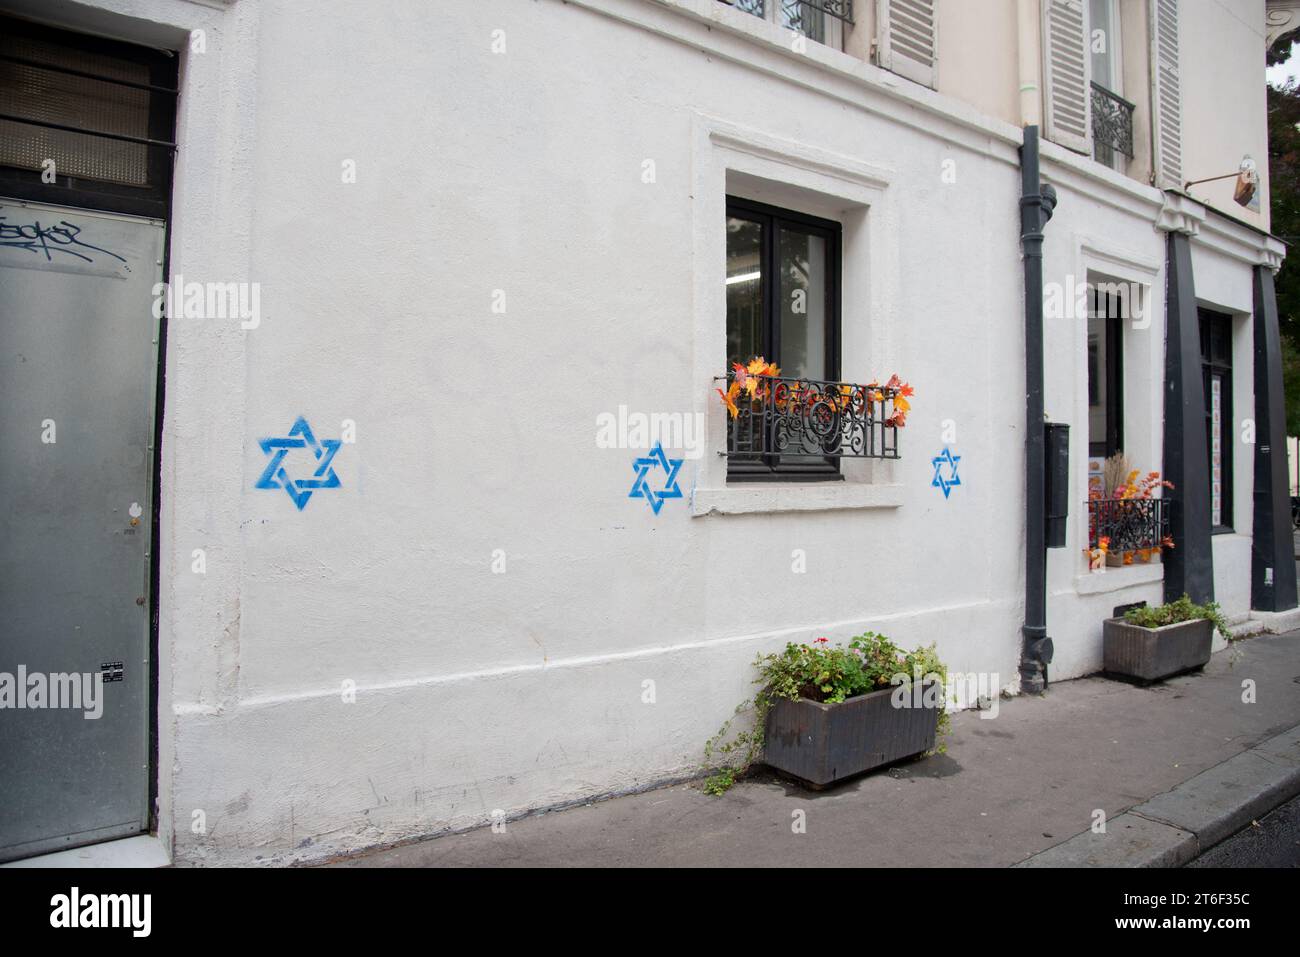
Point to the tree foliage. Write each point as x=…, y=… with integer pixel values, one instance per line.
x=1284, y=207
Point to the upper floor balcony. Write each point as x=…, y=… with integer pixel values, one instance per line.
x=1162, y=91
x=1112, y=125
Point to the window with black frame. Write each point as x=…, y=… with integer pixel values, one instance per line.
x=783, y=289
x=1105, y=373
x=1216, y=366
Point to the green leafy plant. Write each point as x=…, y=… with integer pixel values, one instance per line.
x=819, y=672
x=1183, y=609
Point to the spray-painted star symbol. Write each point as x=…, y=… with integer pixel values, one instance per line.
x=299, y=437
x=939, y=461
x=643, y=465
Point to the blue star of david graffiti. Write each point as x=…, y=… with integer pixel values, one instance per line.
x=643, y=465
x=939, y=461
x=299, y=437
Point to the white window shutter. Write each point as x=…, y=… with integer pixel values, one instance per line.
x=1166, y=97
x=1067, y=68
x=909, y=39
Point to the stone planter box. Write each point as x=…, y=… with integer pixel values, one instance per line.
x=824, y=743
x=1149, y=654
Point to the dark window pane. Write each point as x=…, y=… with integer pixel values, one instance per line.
x=1221, y=343
x=744, y=290
x=802, y=300
x=1096, y=380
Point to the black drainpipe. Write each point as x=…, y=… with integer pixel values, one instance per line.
x=1037, y=200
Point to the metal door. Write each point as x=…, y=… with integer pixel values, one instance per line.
x=78, y=360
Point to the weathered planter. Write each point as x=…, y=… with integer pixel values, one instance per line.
x=1150, y=654
x=823, y=743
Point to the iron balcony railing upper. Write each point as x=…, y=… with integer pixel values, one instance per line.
x=1112, y=123
x=1131, y=524
x=839, y=9
x=813, y=418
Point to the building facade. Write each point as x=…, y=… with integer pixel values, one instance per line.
x=382, y=345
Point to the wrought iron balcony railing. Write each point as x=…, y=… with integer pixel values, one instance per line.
x=839, y=9
x=812, y=418
x=1112, y=124
x=1131, y=524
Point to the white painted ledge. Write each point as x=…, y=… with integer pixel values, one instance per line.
x=145, y=850
x=1117, y=579
x=744, y=499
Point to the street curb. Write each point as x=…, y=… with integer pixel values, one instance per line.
x=1172, y=828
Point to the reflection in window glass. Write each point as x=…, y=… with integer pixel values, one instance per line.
x=802, y=292
x=744, y=290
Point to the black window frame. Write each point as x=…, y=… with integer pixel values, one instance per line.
x=1113, y=317
x=1218, y=362
x=153, y=201
x=772, y=218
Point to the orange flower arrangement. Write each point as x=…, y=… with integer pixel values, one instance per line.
x=748, y=379
x=1131, y=489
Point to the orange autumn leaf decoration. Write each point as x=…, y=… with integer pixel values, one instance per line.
x=729, y=398
x=899, y=391
x=747, y=378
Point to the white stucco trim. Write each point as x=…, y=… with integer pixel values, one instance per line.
x=725, y=32
x=1225, y=235
x=1180, y=214
x=1099, y=183
x=730, y=158
x=1118, y=579
x=755, y=497
x=1103, y=255
x=1143, y=365
x=711, y=643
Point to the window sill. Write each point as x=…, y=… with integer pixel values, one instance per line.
x=753, y=497
x=1115, y=579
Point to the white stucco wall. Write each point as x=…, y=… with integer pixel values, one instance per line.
x=522, y=171
x=1225, y=108
x=480, y=171
x=1103, y=228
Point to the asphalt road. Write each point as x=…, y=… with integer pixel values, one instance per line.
x=1273, y=841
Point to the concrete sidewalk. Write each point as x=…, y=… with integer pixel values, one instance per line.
x=1009, y=787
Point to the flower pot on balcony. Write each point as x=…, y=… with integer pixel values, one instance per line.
x=1133, y=556
x=824, y=743
x=1150, y=654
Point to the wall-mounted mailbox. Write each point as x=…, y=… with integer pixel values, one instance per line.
x=1058, y=481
